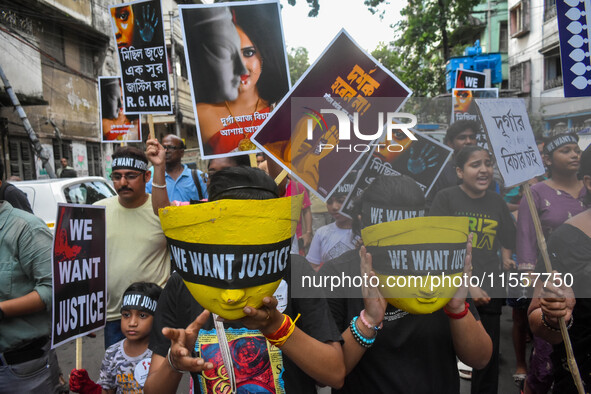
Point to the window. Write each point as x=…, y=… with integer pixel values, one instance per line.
x=552, y=69
x=520, y=77
x=503, y=37
x=549, y=9
x=62, y=149
x=87, y=192
x=519, y=18
x=22, y=159
x=93, y=154
x=52, y=39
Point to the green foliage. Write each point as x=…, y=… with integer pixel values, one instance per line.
x=298, y=63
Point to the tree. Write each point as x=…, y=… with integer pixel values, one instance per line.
x=298, y=63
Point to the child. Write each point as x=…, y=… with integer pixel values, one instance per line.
x=494, y=229
x=126, y=363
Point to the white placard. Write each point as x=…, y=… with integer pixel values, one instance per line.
x=511, y=138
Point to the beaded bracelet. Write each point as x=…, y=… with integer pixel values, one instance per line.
x=549, y=327
x=157, y=186
x=366, y=323
x=362, y=340
x=168, y=357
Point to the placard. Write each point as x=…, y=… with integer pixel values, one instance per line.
x=79, y=272
x=237, y=70
x=470, y=79
x=139, y=34
x=313, y=132
x=511, y=138
x=116, y=125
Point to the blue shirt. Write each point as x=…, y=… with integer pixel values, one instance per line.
x=183, y=188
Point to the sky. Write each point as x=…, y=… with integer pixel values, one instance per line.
x=315, y=34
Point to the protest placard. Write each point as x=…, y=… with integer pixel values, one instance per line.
x=79, y=272
x=422, y=160
x=470, y=79
x=464, y=108
x=115, y=124
x=310, y=132
x=139, y=33
x=511, y=139
x=237, y=70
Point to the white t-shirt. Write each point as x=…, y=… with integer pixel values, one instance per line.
x=136, y=250
x=330, y=242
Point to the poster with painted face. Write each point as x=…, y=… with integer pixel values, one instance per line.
x=139, y=33
x=337, y=112
x=237, y=70
x=116, y=125
x=464, y=108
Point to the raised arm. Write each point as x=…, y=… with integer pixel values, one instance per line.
x=157, y=156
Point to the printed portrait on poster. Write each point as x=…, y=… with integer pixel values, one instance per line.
x=115, y=124
x=237, y=69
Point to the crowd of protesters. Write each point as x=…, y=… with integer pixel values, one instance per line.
x=353, y=342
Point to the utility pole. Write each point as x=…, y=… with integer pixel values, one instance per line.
x=32, y=136
x=177, y=106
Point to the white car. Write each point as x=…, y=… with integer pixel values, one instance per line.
x=45, y=194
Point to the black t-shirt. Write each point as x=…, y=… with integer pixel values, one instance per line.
x=255, y=366
x=493, y=227
x=411, y=353
x=570, y=251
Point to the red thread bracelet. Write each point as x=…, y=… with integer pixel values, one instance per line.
x=366, y=323
x=460, y=315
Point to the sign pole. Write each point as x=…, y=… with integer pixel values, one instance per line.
x=253, y=160
x=151, y=126
x=78, y=353
x=572, y=363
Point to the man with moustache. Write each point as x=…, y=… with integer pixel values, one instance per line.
x=136, y=246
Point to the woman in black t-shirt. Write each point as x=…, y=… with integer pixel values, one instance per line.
x=493, y=228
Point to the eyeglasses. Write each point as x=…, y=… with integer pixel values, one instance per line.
x=172, y=147
x=130, y=176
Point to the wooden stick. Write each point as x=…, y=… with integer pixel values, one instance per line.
x=253, y=160
x=150, y=126
x=79, y=353
x=280, y=177
x=572, y=363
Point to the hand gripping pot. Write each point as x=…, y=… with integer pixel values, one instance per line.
x=419, y=261
x=232, y=253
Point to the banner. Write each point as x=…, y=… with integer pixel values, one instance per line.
x=574, y=34
x=511, y=138
x=422, y=160
x=237, y=70
x=470, y=79
x=310, y=133
x=79, y=272
x=115, y=124
x=139, y=32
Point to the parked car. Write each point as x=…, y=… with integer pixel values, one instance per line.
x=45, y=194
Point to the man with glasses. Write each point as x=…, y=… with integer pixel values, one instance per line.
x=182, y=183
x=136, y=246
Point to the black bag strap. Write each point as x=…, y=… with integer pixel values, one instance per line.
x=197, y=183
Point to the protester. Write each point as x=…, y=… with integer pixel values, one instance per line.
x=119, y=370
x=569, y=247
x=556, y=199
x=136, y=246
x=13, y=194
x=66, y=171
x=220, y=163
x=311, y=353
x=27, y=364
x=336, y=238
x=410, y=353
x=461, y=133
x=182, y=183
x=494, y=229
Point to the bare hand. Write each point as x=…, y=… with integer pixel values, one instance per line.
x=375, y=304
x=458, y=302
x=182, y=341
x=479, y=296
x=155, y=152
x=557, y=302
x=267, y=319
x=509, y=264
